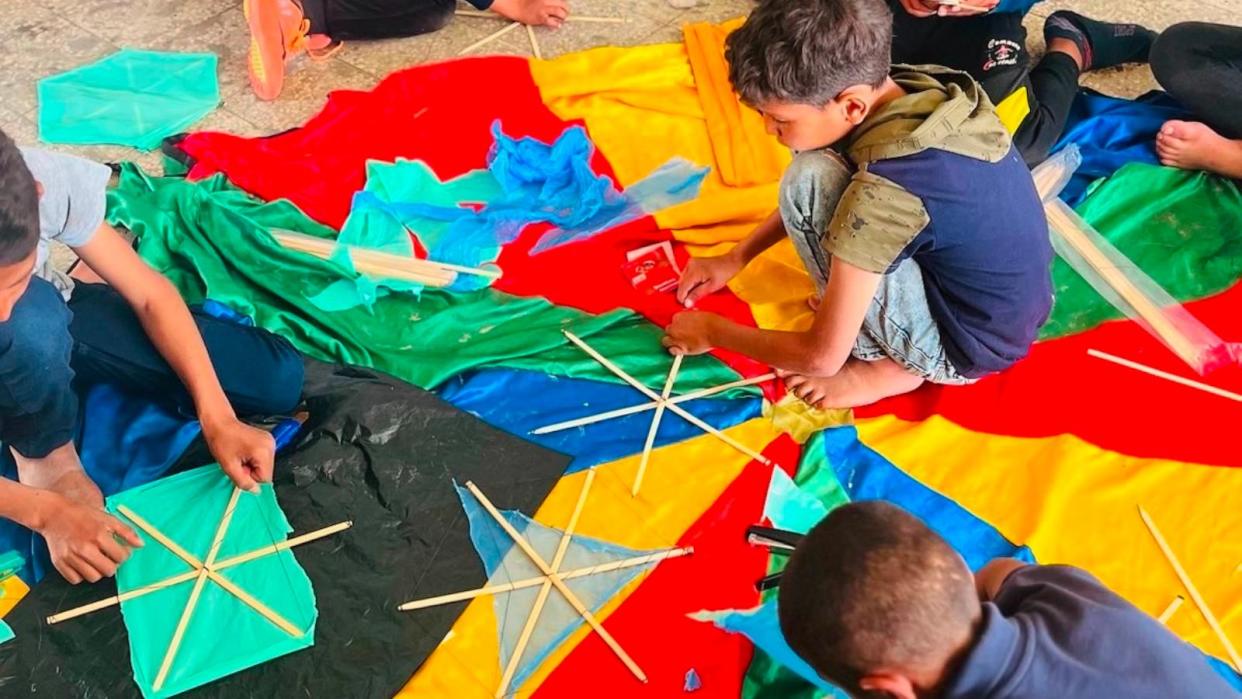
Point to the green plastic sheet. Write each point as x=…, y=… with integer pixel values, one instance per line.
x=815, y=481
x=131, y=98
x=223, y=635
x=1184, y=229
x=210, y=239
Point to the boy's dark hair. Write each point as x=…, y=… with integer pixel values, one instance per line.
x=19, y=205
x=871, y=588
x=809, y=51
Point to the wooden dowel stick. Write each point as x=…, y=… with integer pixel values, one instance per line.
x=266, y=612
x=190, y=575
x=204, y=571
x=532, y=582
x=377, y=262
x=557, y=582
x=622, y=412
x=179, y=632
x=571, y=18
x=608, y=364
x=156, y=534
x=1164, y=328
x=1189, y=584
x=533, y=619
x=1191, y=383
x=534, y=43
x=719, y=435
x=655, y=425
x=1170, y=610
x=489, y=38
x=281, y=546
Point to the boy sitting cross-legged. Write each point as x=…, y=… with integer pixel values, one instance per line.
x=907, y=203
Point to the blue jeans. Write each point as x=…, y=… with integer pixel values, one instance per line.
x=898, y=324
x=48, y=346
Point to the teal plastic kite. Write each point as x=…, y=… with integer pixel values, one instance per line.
x=246, y=611
x=131, y=98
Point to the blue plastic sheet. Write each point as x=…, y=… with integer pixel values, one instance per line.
x=1111, y=132
x=502, y=397
x=505, y=562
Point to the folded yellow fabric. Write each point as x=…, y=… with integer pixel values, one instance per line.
x=745, y=153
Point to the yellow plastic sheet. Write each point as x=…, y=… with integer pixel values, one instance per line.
x=612, y=89
x=466, y=664
x=745, y=153
x=1075, y=503
x=12, y=590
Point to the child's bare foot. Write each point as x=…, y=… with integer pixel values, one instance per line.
x=858, y=383
x=1190, y=145
x=60, y=472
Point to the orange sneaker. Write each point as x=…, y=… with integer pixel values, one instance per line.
x=278, y=32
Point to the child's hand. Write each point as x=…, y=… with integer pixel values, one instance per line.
x=690, y=332
x=968, y=9
x=706, y=275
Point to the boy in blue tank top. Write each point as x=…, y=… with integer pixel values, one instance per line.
x=906, y=201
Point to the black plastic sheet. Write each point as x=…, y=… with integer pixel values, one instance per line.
x=376, y=451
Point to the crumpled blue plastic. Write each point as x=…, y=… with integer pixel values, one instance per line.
x=537, y=183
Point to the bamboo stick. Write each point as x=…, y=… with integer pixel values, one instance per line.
x=532, y=582
x=534, y=43
x=1170, y=610
x=246, y=598
x=655, y=425
x=489, y=38
x=204, y=571
x=533, y=619
x=560, y=585
x=1189, y=584
x=190, y=575
x=571, y=18
x=1125, y=288
x=622, y=412
x=376, y=262
x=1191, y=383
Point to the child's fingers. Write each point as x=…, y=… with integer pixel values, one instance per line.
x=126, y=534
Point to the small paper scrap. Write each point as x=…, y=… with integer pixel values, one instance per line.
x=652, y=269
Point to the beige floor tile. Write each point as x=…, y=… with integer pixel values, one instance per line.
x=43, y=46
x=306, y=89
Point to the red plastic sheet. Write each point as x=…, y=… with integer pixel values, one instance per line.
x=720, y=575
x=433, y=113
x=1060, y=389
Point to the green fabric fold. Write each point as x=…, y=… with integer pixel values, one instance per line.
x=210, y=239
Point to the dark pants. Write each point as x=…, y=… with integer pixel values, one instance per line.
x=46, y=346
x=1200, y=64
x=377, y=19
x=992, y=49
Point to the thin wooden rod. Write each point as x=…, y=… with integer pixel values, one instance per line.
x=246, y=598
x=532, y=582
x=532, y=620
x=560, y=585
x=655, y=425
x=1170, y=610
x=1190, y=383
x=174, y=645
x=1155, y=316
x=571, y=18
x=156, y=534
x=489, y=38
x=610, y=366
x=534, y=43
x=1189, y=584
x=190, y=575
x=622, y=412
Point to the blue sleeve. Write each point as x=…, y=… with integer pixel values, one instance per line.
x=1019, y=6
x=484, y=4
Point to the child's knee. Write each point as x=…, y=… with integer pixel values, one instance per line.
x=812, y=185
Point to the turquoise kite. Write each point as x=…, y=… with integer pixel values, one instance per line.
x=131, y=98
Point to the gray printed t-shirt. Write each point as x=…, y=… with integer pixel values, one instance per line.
x=71, y=208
